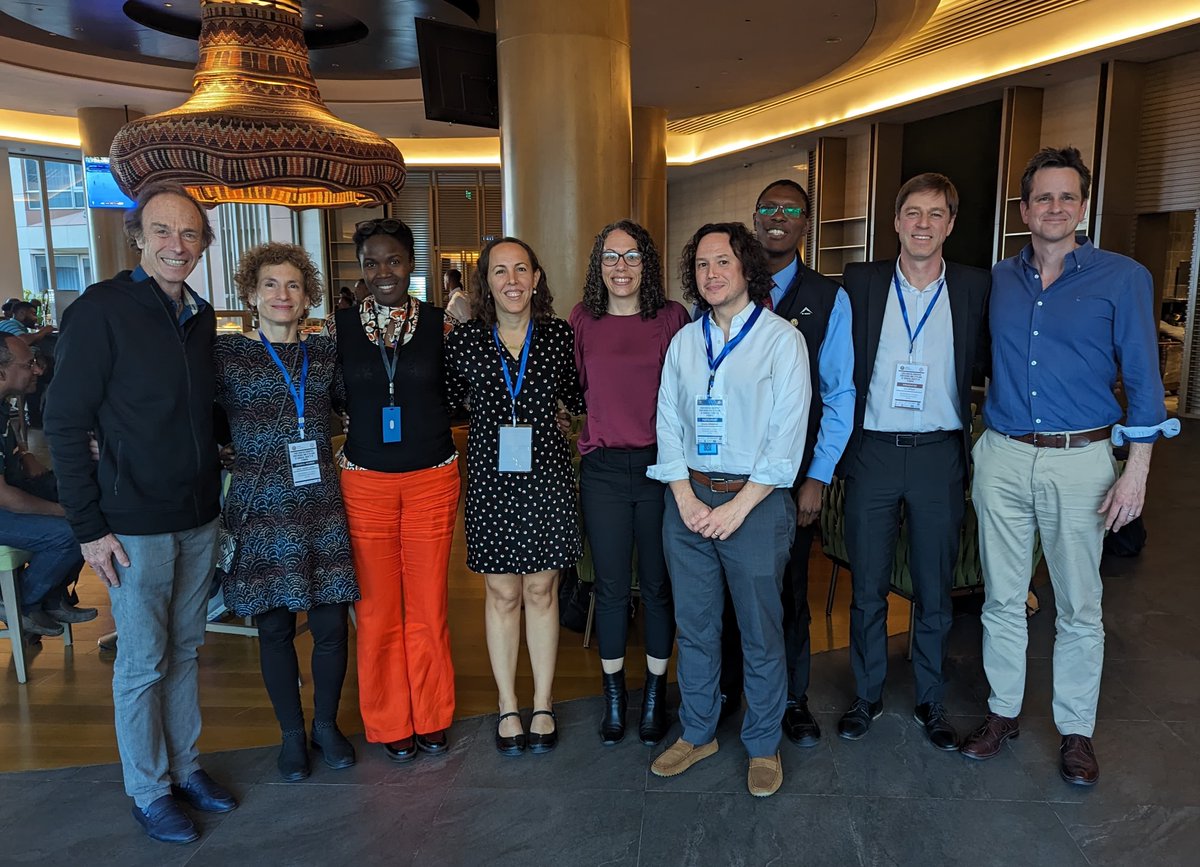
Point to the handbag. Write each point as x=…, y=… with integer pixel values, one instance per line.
x=574, y=598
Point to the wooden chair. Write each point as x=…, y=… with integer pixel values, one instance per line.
x=11, y=562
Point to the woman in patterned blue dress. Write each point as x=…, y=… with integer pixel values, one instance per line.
x=284, y=503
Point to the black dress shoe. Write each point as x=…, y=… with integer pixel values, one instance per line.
x=932, y=716
x=65, y=612
x=163, y=820
x=401, y=751
x=856, y=722
x=655, y=722
x=204, y=793
x=800, y=726
x=509, y=745
x=543, y=743
x=293, y=756
x=434, y=743
x=612, y=724
x=337, y=751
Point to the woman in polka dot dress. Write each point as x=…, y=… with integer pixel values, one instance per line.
x=515, y=363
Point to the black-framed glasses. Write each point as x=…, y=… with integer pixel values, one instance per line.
x=371, y=227
x=789, y=212
x=633, y=258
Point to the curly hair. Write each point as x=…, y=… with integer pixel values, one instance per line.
x=274, y=253
x=483, y=305
x=134, y=231
x=652, y=296
x=748, y=251
x=1056, y=158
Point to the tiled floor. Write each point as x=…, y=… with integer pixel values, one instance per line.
x=888, y=799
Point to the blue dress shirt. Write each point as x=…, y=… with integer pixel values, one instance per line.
x=1055, y=353
x=192, y=303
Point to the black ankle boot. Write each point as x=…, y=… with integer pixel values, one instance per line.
x=612, y=726
x=328, y=738
x=293, y=756
x=654, y=709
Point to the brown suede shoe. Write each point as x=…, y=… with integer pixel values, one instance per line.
x=680, y=756
x=765, y=776
x=986, y=741
x=1079, y=765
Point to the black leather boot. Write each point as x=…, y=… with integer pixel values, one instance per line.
x=337, y=751
x=654, y=722
x=293, y=756
x=612, y=726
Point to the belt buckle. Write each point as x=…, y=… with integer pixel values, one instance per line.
x=906, y=441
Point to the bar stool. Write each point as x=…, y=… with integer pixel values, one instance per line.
x=11, y=561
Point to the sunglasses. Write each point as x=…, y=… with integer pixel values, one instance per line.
x=772, y=210
x=372, y=227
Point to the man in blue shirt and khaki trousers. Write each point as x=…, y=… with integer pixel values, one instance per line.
x=1064, y=316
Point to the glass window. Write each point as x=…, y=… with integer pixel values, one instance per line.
x=63, y=180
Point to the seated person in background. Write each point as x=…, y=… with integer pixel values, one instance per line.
x=30, y=516
x=24, y=324
x=458, y=301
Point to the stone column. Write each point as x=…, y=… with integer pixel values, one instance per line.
x=565, y=129
x=650, y=174
x=110, y=253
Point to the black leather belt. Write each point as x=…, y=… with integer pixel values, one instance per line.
x=911, y=440
x=1062, y=440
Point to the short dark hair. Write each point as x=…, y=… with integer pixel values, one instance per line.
x=746, y=248
x=19, y=306
x=652, y=296
x=6, y=353
x=397, y=229
x=134, y=231
x=455, y=276
x=788, y=182
x=483, y=305
x=1056, y=158
x=929, y=182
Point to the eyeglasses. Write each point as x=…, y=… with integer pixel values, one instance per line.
x=371, y=227
x=772, y=210
x=30, y=364
x=633, y=258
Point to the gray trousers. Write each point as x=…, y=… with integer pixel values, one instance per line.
x=159, y=609
x=751, y=563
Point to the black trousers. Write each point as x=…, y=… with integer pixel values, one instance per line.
x=281, y=670
x=926, y=482
x=623, y=507
x=796, y=618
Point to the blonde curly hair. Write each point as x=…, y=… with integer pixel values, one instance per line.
x=275, y=253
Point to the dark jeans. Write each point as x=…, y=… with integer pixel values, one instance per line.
x=621, y=507
x=281, y=670
x=56, y=559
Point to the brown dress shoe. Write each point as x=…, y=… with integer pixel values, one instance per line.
x=765, y=776
x=986, y=741
x=1079, y=765
x=680, y=756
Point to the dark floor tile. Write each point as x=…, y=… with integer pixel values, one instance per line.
x=1119, y=836
x=90, y=823
x=20, y=793
x=892, y=831
x=896, y=760
x=1117, y=701
x=1166, y=686
x=580, y=761
x=50, y=775
x=1141, y=635
x=1141, y=763
x=696, y=829
x=500, y=827
x=300, y=824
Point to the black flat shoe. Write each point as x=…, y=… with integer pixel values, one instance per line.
x=612, y=724
x=401, y=751
x=543, y=743
x=513, y=745
x=293, y=756
x=434, y=743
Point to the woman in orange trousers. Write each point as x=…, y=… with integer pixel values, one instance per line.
x=400, y=483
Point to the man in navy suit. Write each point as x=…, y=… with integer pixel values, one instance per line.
x=919, y=331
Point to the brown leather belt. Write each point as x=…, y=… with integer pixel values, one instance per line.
x=1062, y=440
x=717, y=486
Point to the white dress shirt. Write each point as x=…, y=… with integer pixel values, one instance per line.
x=934, y=346
x=766, y=386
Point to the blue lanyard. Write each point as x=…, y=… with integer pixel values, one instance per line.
x=912, y=336
x=514, y=393
x=297, y=395
x=728, y=347
x=390, y=366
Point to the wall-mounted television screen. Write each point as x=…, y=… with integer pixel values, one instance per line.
x=102, y=189
x=458, y=73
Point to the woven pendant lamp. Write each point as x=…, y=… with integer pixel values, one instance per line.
x=255, y=129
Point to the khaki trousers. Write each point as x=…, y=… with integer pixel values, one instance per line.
x=1019, y=489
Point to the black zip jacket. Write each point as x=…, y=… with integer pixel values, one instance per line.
x=127, y=371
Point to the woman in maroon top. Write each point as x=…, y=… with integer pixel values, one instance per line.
x=622, y=329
